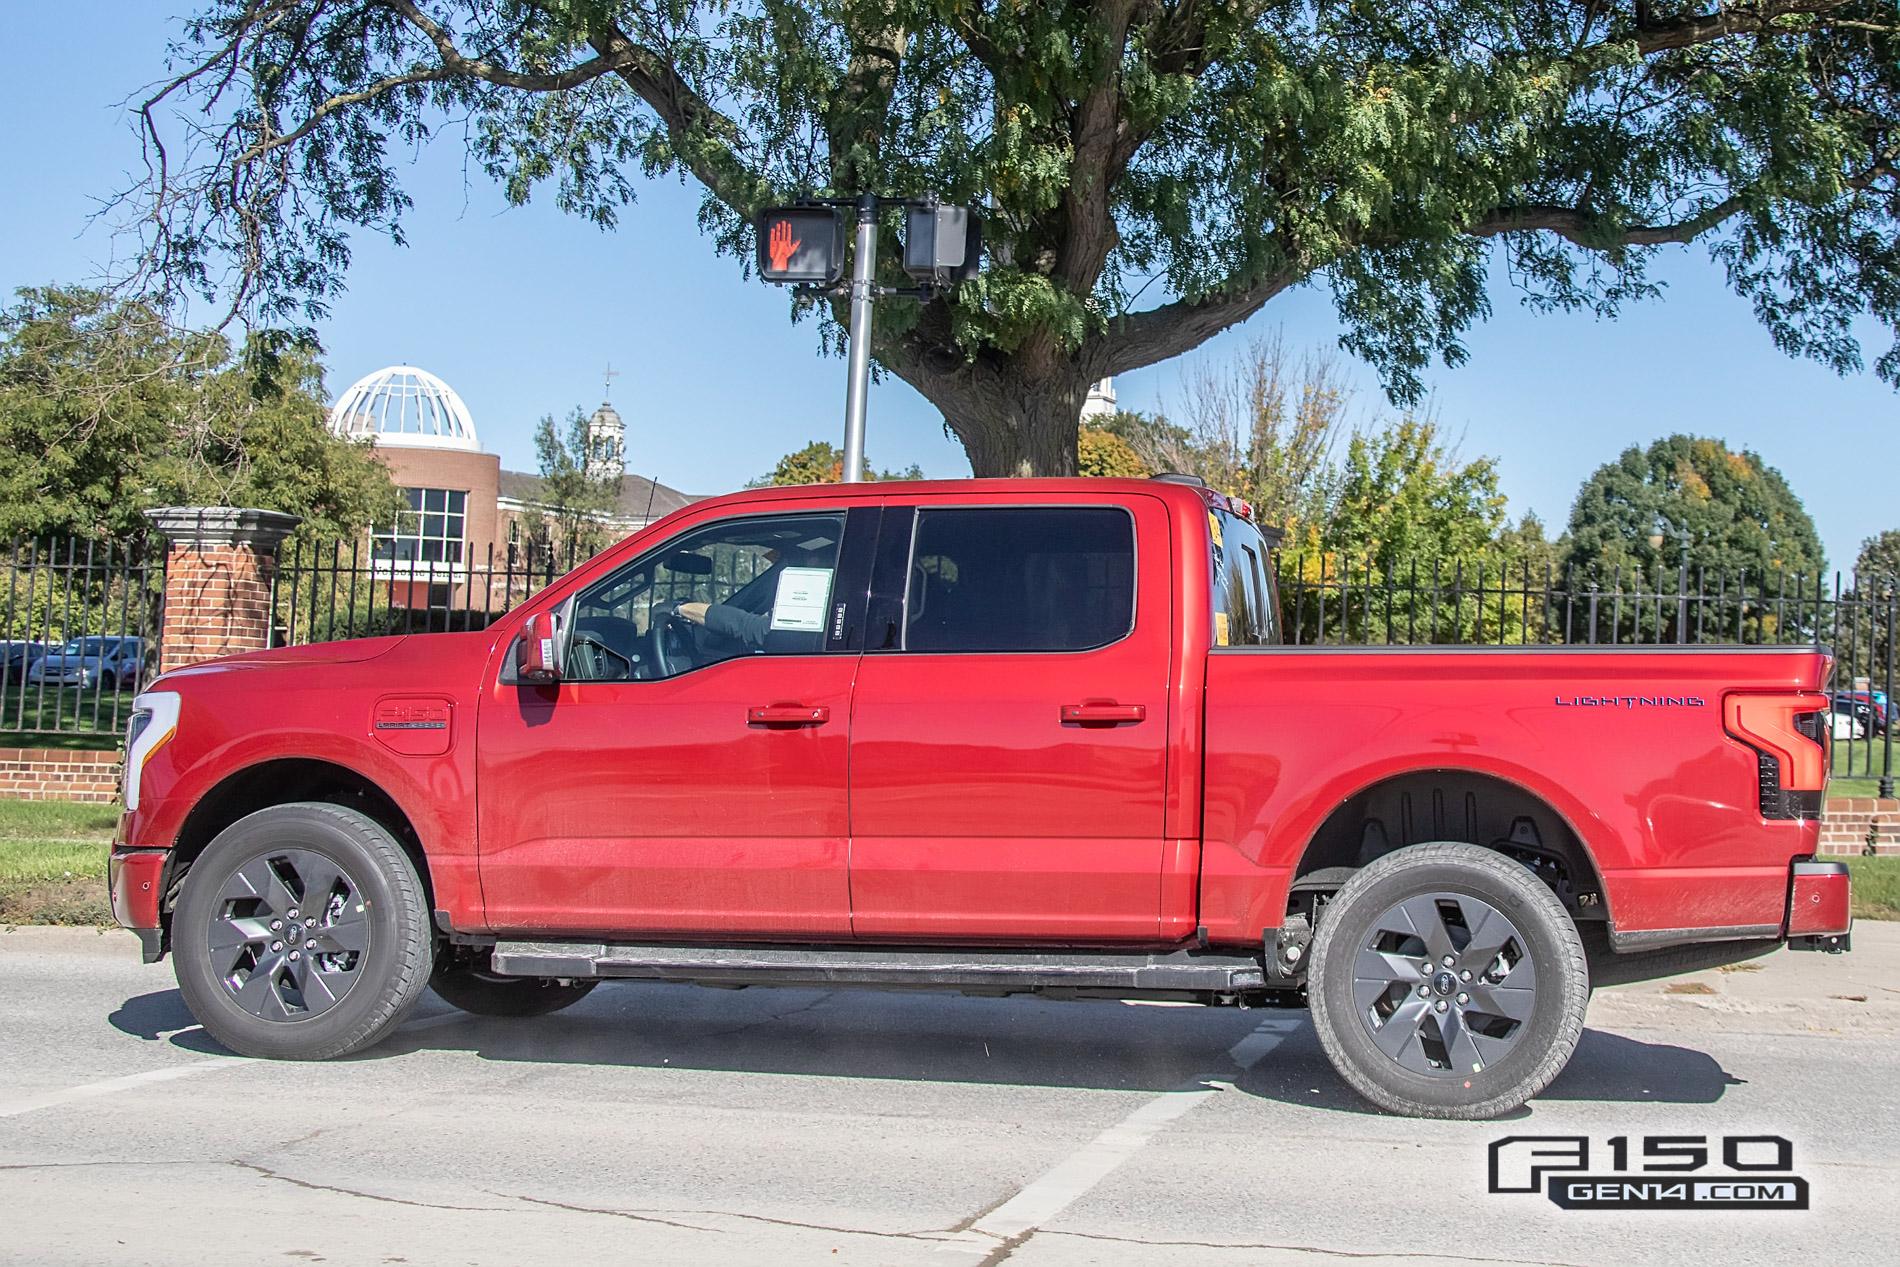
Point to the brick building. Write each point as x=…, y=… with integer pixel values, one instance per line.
x=466, y=514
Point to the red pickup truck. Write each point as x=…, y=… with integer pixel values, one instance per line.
x=997, y=737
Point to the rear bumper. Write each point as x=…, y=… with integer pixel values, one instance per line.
x=1820, y=906
x=136, y=878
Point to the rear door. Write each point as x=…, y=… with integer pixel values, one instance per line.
x=1009, y=725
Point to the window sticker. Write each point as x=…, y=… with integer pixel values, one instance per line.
x=1223, y=636
x=803, y=594
x=1213, y=528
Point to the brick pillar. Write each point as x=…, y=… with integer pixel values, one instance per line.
x=219, y=565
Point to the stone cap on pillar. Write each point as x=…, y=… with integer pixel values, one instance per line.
x=262, y=530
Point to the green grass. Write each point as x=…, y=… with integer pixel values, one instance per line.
x=1876, y=887
x=56, y=820
x=1865, y=760
x=53, y=862
x=83, y=741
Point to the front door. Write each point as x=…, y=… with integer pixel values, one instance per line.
x=1009, y=734
x=688, y=775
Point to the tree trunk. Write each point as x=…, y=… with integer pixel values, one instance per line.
x=1012, y=423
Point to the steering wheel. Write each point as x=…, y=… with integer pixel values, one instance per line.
x=606, y=663
x=672, y=640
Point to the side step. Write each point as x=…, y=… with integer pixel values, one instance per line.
x=1001, y=970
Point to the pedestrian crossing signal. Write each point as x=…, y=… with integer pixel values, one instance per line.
x=804, y=245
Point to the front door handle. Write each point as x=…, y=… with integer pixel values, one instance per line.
x=1109, y=714
x=787, y=715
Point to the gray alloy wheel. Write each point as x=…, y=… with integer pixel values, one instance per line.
x=1443, y=984
x=1447, y=981
x=302, y=933
x=289, y=935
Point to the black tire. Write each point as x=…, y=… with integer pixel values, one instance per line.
x=1394, y=1042
x=314, y=984
x=108, y=682
x=470, y=985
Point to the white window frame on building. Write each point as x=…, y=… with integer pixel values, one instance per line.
x=434, y=530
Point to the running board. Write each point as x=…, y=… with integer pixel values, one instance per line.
x=999, y=970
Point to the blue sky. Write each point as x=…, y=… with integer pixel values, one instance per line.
x=522, y=310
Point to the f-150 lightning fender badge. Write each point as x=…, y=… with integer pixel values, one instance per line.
x=1631, y=701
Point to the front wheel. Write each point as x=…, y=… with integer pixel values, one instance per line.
x=302, y=933
x=474, y=987
x=1447, y=981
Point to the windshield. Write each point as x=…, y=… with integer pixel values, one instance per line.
x=87, y=646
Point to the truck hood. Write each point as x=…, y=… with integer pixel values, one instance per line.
x=348, y=651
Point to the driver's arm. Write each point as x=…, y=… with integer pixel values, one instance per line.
x=730, y=622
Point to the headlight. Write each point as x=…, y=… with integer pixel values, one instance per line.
x=154, y=721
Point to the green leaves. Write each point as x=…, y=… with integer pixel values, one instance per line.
x=1728, y=511
x=1178, y=162
x=105, y=411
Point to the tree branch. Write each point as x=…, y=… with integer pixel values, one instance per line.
x=1143, y=338
x=1097, y=133
x=1592, y=233
x=699, y=134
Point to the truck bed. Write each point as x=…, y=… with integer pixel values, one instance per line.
x=1625, y=747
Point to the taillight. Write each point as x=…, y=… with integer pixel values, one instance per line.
x=1789, y=736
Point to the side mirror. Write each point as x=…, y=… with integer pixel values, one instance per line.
x=538, y=651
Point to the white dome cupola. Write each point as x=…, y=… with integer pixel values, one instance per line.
x=404, y=407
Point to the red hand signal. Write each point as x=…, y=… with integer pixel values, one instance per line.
x=780, y=245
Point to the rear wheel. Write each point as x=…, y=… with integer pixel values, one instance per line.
x=1447, y=981
x=474, y=987
x=302, y=933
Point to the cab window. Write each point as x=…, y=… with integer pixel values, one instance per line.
x=762, y=586
x=1027, y=578
x=1246, y=608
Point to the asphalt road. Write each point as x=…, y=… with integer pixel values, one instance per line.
x=669, y=1124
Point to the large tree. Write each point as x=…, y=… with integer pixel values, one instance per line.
x=1727, y=513
x=107, y=410
x=1153, y=171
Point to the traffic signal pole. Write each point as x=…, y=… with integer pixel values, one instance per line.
x=803, y=245
x=863, y=293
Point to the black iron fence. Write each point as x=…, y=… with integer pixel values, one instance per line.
x=343, y=590
x=82, y=619
x=80, y=636
x=1326, y=601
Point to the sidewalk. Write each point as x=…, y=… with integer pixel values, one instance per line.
x=1785, y=992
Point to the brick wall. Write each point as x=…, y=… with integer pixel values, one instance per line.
x=219, y=565
x=54, y=774
x=217, y=603
x=1844, y=831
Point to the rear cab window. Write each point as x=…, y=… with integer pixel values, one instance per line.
x=1246, y=602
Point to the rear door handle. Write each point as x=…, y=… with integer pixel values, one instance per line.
x=787, y=715
x=1110, y=714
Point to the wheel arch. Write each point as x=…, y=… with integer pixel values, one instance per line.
x=1459, y=804
x=284, y=781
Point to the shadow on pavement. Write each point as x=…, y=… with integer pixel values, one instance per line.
x=163, y=1012
x=947, y=1038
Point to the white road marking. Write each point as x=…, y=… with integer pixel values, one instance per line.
x=111, y=1086
x=132, y=1081
x=1072, y=1178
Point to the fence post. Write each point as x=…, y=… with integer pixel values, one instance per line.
x=219, y=566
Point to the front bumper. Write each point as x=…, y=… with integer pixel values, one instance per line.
x=136, y=878
x=1820, y=906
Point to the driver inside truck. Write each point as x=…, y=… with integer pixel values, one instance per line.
x=734, y=618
